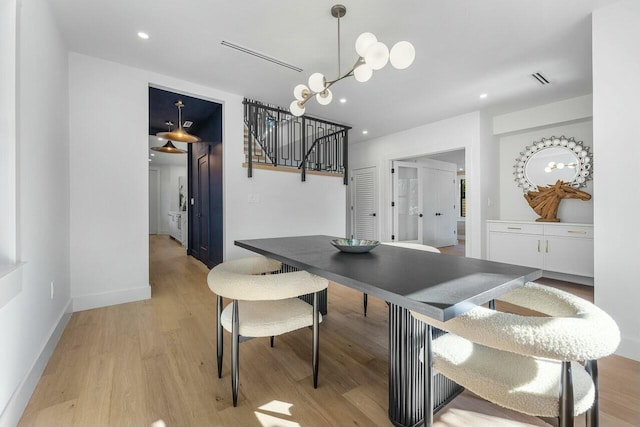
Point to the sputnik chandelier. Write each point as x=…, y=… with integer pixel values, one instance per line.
x=372, y=55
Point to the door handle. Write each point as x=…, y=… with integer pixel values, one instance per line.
x=546, y=246
x=420, y=215
x=538, y=245
x=373, y=214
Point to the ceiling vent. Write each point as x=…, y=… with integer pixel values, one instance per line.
x=540, y=78
x=260, y=55
x=187, y=124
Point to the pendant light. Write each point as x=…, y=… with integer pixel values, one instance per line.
x=169, y=148
x=372, y=56
x=180, y=134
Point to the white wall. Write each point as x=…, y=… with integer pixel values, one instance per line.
x=487, y=160
x=112, y=230
x=616, y=107
x=513, y=206
x=31, y=322
x=458, y=132
x=8, y=65
x=564, y=111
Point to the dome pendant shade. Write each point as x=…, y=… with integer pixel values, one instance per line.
x=169, y=148
x=179, y=134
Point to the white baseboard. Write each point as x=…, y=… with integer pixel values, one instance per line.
x=104, y=299
x=629, y=348
x=582, y=280
x=18, y=401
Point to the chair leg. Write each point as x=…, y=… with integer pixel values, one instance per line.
x=219, y=338
x=566, y=396
x=492, y=304
x=593, y=417
x=365, y=301
x=271, y=341
x=316, y=338
x=235, y=342
x=427, y=358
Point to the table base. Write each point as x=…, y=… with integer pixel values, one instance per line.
x=406, y=371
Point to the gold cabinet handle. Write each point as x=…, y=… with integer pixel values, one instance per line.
x=576, y=232
x=546, y=246
x=514, y=228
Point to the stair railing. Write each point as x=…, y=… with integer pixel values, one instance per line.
x=283, y=138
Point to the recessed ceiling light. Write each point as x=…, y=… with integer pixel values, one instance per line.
x=343, y=100
x=149, y=159
x=364, y=132
x=152, y=154
x=461, y=169
x=483, y=96
x=159, y=139
x=143, y=35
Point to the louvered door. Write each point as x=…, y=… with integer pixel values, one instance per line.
x=364, y=204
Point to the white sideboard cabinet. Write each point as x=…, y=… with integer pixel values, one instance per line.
x=562, y=250
x=178, y=226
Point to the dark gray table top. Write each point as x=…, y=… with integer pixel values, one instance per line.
x=438, y=285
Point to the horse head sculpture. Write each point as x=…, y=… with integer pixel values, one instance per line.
x=546, y=200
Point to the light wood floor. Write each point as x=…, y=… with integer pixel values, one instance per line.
x=153, y=363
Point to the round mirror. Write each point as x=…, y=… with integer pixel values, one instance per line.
x=549, y=160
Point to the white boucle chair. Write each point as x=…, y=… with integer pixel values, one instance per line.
x=416, y=246
x=264, y=305
x=525, y=363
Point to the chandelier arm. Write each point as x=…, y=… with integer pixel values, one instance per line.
x=331, y=82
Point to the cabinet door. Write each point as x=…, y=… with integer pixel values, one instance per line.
x=569, y=255
x=514, y=248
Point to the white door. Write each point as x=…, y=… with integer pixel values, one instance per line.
x=439, y=203
x=407, y=202
x=154, y=200
x=364, y=203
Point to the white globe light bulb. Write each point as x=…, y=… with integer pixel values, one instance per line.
x=363, y=42
x=324, y=97
x=301, y=92
x=316, y=82
x=377, y=56
x=402, y=55
x=560, y=165
x=362, y=73
x=547, y=169
x=296, y=109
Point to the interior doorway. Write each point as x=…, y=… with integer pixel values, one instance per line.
x=190, y=195
x=364, y=203
x=429, y=200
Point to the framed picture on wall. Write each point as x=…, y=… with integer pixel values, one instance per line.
x=182, y=193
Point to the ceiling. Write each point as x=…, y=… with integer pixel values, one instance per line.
x=463, y=48
x=205, y=116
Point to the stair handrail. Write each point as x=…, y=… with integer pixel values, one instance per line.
x=333, y=134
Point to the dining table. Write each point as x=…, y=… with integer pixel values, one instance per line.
x=437, y=285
